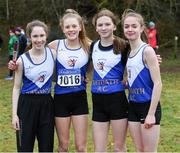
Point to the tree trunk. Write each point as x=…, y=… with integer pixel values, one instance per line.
x=7, y=9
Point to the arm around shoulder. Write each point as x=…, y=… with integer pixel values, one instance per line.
x=53, y=44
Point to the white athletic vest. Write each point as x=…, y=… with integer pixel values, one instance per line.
x=37, y=78
x=140, y=84
x=71, y=67
x=108, y=70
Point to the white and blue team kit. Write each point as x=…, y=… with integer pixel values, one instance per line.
x=35, y=104
x=37, y=78
x=140, y=84
x=108, y=70
x=71, y=68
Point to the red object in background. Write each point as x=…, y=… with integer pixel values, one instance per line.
x=152, y=37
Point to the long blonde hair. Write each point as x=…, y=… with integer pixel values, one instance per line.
x=84, y=40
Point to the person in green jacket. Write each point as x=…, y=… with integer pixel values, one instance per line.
x=12, y=40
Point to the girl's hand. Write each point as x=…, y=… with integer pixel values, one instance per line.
x=15, y=122
x=87, y=80
x=159, y=59
x=12, y=65
x=149, y=121
x=124, y=82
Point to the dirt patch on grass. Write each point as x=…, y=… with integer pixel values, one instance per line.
x=174, y=69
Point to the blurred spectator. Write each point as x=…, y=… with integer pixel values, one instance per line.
x=153, y=38
x=12, y=41
x=22, y=31
x=22, y=40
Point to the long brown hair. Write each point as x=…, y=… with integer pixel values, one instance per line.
x=84, y=40
x=118, y=43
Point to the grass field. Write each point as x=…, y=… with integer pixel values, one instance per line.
x=170, y=124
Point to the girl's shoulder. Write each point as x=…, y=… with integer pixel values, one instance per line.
x=53, y=52
x=148, y=49
x=54, y=44
x=149, y=53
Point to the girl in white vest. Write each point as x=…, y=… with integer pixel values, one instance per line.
x=144, y=84
x=110, y=104
x=33, y=111
x=70, y=89
x=70, y=97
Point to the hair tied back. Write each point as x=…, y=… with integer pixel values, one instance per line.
x=71, y=11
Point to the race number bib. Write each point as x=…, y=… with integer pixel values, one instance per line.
x=69, y=77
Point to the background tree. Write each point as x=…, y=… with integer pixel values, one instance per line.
x=165, y=13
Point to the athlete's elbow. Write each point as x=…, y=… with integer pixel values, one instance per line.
x=158, y=84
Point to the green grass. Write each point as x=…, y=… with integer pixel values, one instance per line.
x=170, y=124
x=170, y=62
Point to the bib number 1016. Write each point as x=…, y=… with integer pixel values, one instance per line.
x=69, y=80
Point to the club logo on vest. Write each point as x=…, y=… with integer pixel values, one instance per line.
x=42, y=76
x=100, y=65
x=72, y=62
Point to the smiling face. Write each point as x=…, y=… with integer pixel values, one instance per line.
x=38, y=37
x=71, y=28
x=132, y=28
x=105, y=27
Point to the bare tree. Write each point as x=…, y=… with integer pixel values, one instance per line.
x=7, y=9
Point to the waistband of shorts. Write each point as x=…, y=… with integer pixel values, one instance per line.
x=113, y=93
x=35, y=95
x=70, y=93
